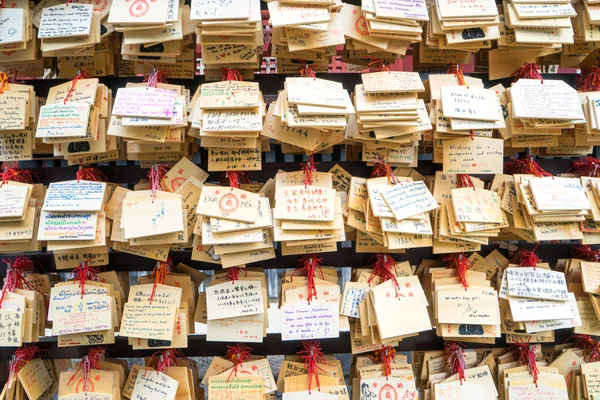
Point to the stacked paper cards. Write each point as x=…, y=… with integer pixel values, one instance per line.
x=227, y=117
x=73, y=123
x=390, y=118
x=76, y=313
x=18, y=104
x=588, y=134
x=293, y=380
x=18, y=215
x=241, y=305
x=152, y=121
x=552, y=207
x=478, y=382
x=66, y=30
x=541, y=24
x=230, y=33
x=462, y=26
x=168, y=374
x=372, y=34
x=537, y=298
x=18, y=39
x=301, y=303
x=23, y=312
x=308, y=214
x=308, y=31
x=374, y=382
x=232, y=227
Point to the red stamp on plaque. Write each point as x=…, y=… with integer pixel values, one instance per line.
x=361, y=26
x=176, y=182
x=80, y=386
x=100, y=5
x=229, y=203
x=388, y=392
x=139, y=8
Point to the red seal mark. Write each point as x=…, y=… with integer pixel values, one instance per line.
x=139, y=8
x=9, y=53
x=229, y=203
x=177, y=182
x=80, y=385
x=388, y=392
x=100, y=5
x=361, y=26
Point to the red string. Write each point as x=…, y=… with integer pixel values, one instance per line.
x=385, y=268
x=15, y=276
x=464, y=181
x=309, y=264
x=312, y=354
x=90, y=174
x=589, y=166
x=309, y=167
x=385, y=356
x=306, y=70
x=525, y=165
x=235, y=178
x=159, y=273
x=165, y=359
x=382, y=168
x=234, y=273
x=238, y=355
x=526, y=258
x=156, y=176
x=456, y=359
x=585, y=252
x=80, y=75
x=462, y=264
x=84, y=273
x=527, y=357
x=89, y=362
x=21, y=357
x=230, y=74
x=17, y=174
x=528, y=71
x=591, y=347
x=456, y=69
x=378, y=65
x=154, y=77
x=589, y=80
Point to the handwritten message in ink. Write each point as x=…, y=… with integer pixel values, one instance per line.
x=76, y=315
x=66, y=21
x=74, y=196
x=63, y=120
x=145, y=102
x=67, y=225
x=537, y=283
x=302, y=321
x=239, y=299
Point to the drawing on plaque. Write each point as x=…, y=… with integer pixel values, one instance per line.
x=155, y=48
x=473, y=33
x=470, y=329
x=78, y=147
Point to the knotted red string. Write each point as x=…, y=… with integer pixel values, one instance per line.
x=230, y=74
x=89, y=362
x=526, y=258
x=156, y=175
x=17, y=174
x=464, y=181
x=525, y=165
x=385, y=356
x=591, y=347
x=84, y=273
x=528, y=71
x=456, y=359
x=589, y=166
x=385, y=268
x=378, y=65
x=306, y=70
x=238, y=355
x=585, y=252
x=312, y=354
x=382, y=168
x=159, y=273
x=589, y=80
x=90, y=174
x=21, y=357
x=456, y=69
x=15, y=276
x=462, y=265
x=233, y=273
x=154, y=77
x=235, y=178
x=165, y=359
x=309, y=264
x=80, y=75
x=527, y=357
x=309, y=167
